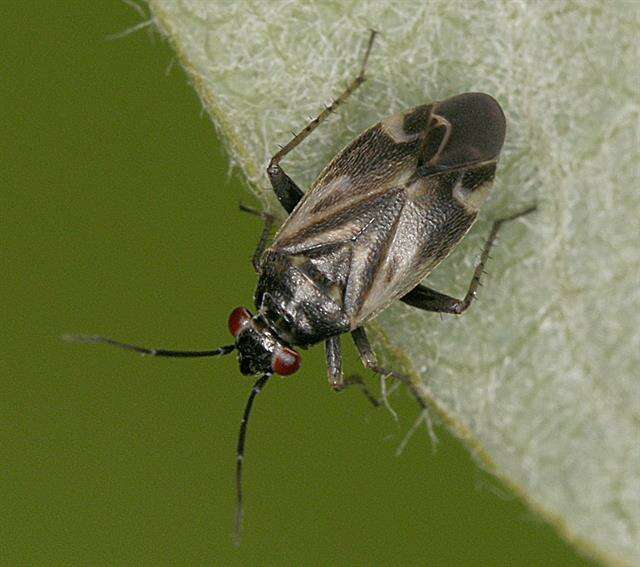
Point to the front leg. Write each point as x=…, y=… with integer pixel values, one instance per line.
x=369, y=358
x=334, y=371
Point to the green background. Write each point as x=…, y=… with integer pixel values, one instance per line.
x=120, y=217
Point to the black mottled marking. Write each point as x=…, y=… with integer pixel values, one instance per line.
x=324, y=250
x=478, y=176
x=370, y=160
x=417, y=120
x=327, y=202
x=319, y=278
x=335, y=264
x=447, y=220
x=360, y=212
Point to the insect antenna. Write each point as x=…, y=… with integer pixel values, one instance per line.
x=96, y=339
x=257, y=387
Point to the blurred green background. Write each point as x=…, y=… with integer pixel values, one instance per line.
x=120, y=217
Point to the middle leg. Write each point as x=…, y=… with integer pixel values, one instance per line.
x=369, y=358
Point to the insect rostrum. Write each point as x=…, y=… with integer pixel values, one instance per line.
x=377, y=220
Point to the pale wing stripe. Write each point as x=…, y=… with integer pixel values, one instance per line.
x=367, y=256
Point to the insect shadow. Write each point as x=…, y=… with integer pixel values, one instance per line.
x=378, y=219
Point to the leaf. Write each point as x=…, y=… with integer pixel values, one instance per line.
x=540, y=377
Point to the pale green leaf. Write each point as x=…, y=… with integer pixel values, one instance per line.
x=541, y=376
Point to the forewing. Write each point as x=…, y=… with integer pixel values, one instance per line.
x=392, y=225
x=381, y=158
x=428, y=227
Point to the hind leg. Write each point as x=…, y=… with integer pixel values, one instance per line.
x=287, y=192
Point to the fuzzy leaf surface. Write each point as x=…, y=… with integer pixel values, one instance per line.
x=540, y=377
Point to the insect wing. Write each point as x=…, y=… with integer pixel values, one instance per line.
x=382, y=157
x=389, y=207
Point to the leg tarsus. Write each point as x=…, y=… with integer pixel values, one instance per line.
x=372, y=35
x=370, y=361
x=355, y=380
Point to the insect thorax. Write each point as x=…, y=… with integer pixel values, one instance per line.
x=298, y=302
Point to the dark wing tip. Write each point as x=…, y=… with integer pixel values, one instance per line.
x=478, y=128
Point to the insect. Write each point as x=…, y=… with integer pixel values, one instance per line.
x=378, y=219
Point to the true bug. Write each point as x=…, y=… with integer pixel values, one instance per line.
x=378, y=219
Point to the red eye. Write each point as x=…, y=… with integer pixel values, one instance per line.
x=285, y=362
x=238, y=320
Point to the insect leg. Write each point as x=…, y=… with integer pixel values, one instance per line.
x=369, y=358
x=334, y=363
x=334, y=371
x=268, y=219
x=285, y=189
x=428, y=299
x=370, y=361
